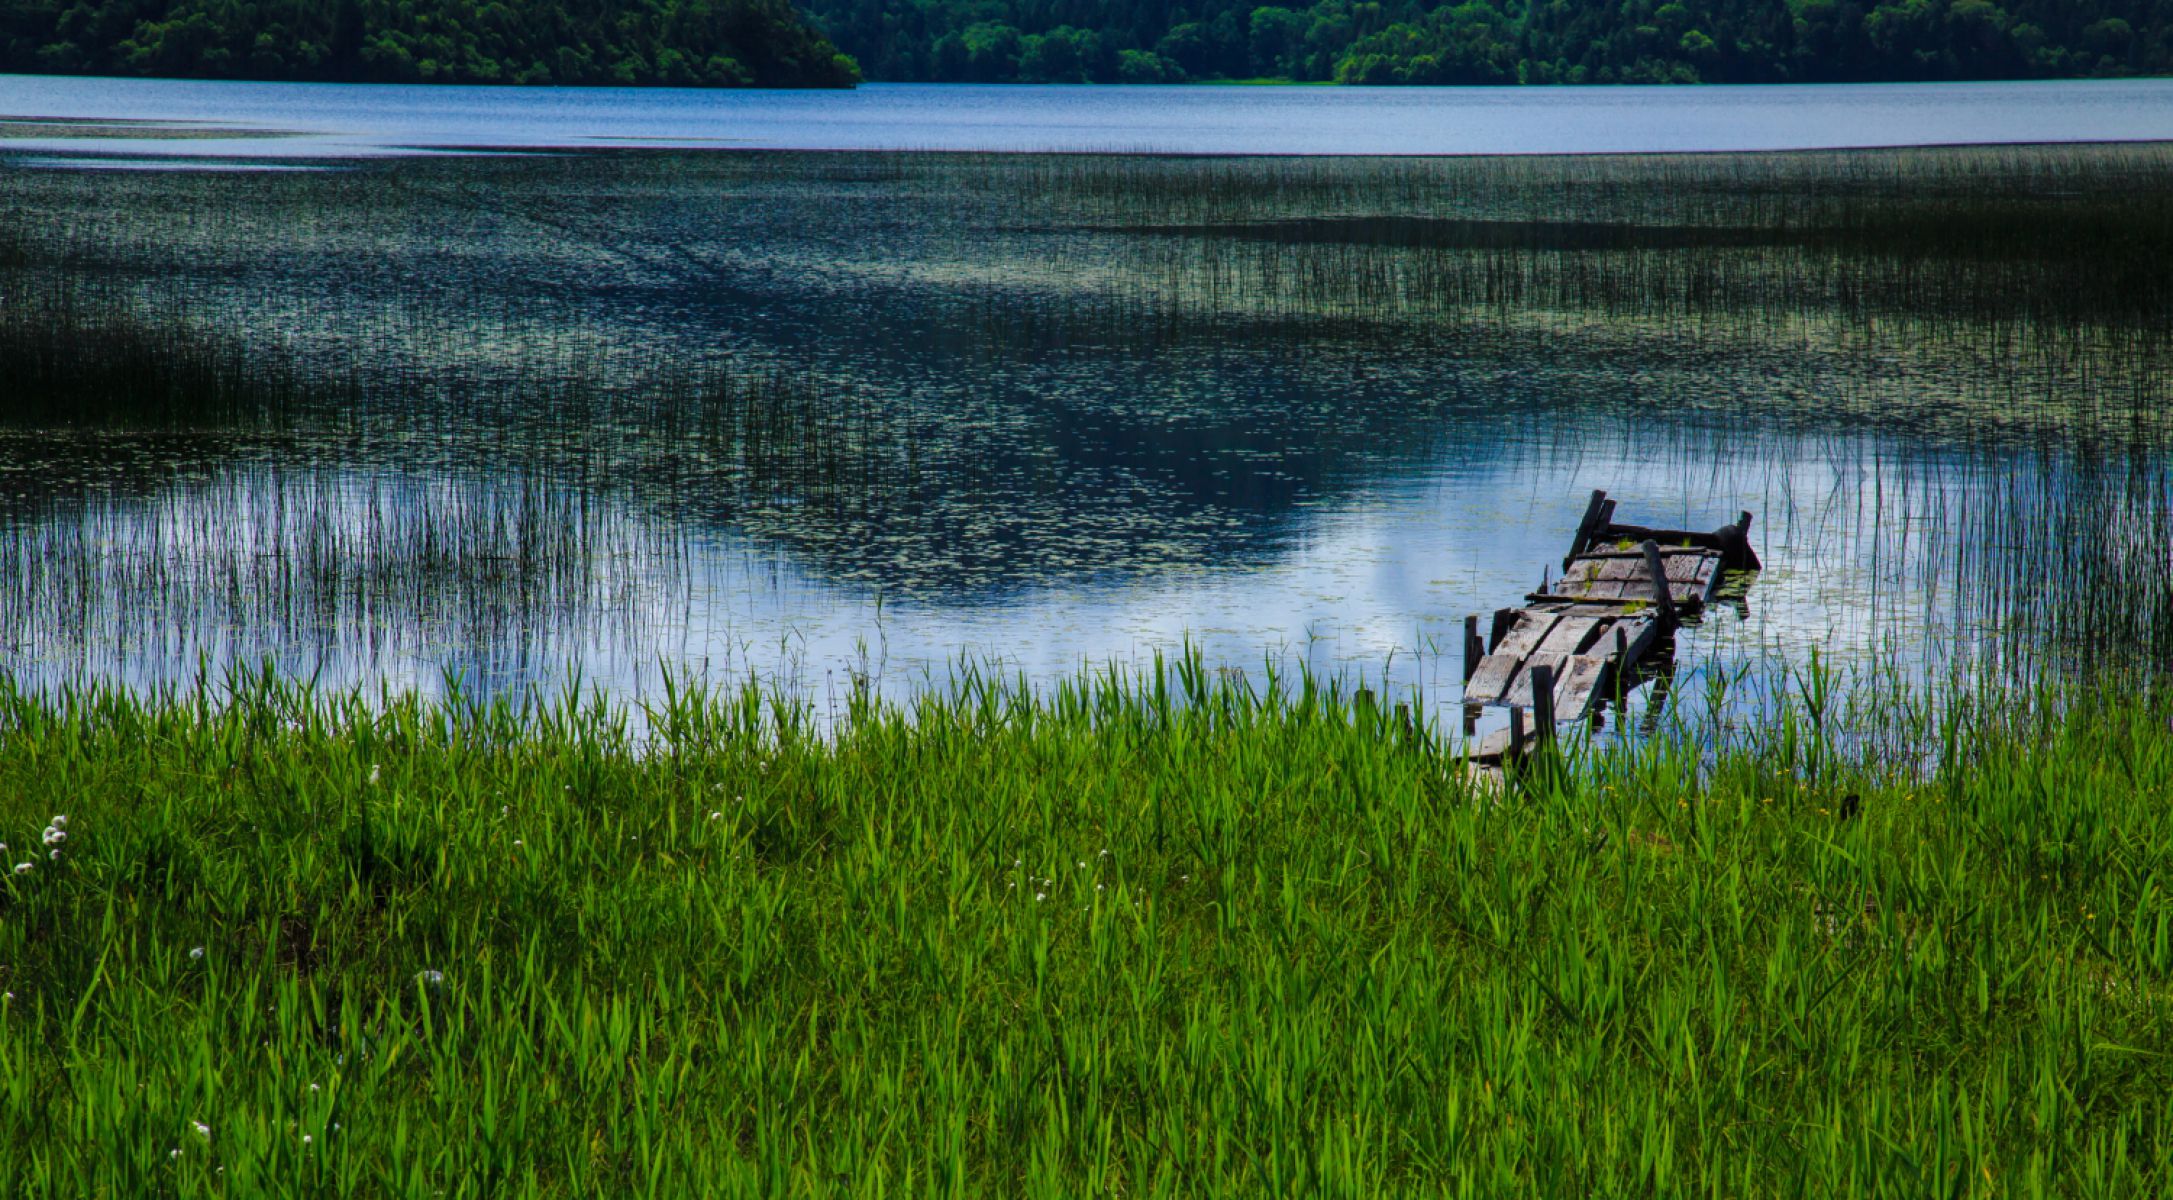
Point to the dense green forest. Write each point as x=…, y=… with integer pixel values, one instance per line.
x=710, y=43
x=1512, y=41
x=770, y=43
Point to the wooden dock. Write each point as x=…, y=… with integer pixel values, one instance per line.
x=1582, y=639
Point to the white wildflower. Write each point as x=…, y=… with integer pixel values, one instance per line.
x=55, y=836
x=202, y=1130
x=373, y=772
x=25, y=868
x=1040, y=896
x=56, y=856
x=196, y=954
x=59, y=821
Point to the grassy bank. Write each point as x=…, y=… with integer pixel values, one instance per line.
x=1117, y=938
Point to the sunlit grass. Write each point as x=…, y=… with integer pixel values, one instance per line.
x=1146, y=935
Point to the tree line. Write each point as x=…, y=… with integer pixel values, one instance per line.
x=1501, y=41
x=690, y=43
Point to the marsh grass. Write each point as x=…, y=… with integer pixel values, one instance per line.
x=81, y=359
x=956, y=378
x=1156, y=934
x=180, y=491
x=304, y=563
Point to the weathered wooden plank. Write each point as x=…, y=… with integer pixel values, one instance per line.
x=1684, y=568
x=1623, y=568
x=1578, y=582
x=1531, y=628
x=1519, y=692
x=1493, y=747
x=1570, y=635
x=1639, y=636
x=1487, y=684
x=1548, y=601
x=1614, y=550
x=1584, y=678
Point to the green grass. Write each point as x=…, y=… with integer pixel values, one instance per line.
x=1138, y=936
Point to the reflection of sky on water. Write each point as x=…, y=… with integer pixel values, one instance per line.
x=1092, y=484
x=1376, y=583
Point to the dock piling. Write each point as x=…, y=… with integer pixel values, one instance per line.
x=1542, y=702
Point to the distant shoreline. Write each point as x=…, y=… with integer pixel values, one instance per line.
x=1094, y=85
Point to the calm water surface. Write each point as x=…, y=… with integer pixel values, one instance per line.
x=1069, y=412
x=199, y=120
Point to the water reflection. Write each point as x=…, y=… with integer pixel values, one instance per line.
x=819, y=418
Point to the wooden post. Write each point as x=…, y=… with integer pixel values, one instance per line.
x=1504, y=620
x=1621, y=668
x=1516, y=734
x=1588, y=528
x=1473, y=650
x=1660, y=594
x=1735, y=545
x=1542, y=702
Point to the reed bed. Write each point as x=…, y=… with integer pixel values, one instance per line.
x=300, y=563
x=1150, y=934
x=960, y=378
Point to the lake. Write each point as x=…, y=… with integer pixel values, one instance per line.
x=194, y=120
x=875, y=417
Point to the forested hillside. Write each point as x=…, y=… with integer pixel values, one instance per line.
x=712, y=43
x=1544, y=41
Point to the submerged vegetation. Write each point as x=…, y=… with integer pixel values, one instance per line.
x=1147, y=934
x=957, y=379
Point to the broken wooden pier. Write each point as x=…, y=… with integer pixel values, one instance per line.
x=1582, y=639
